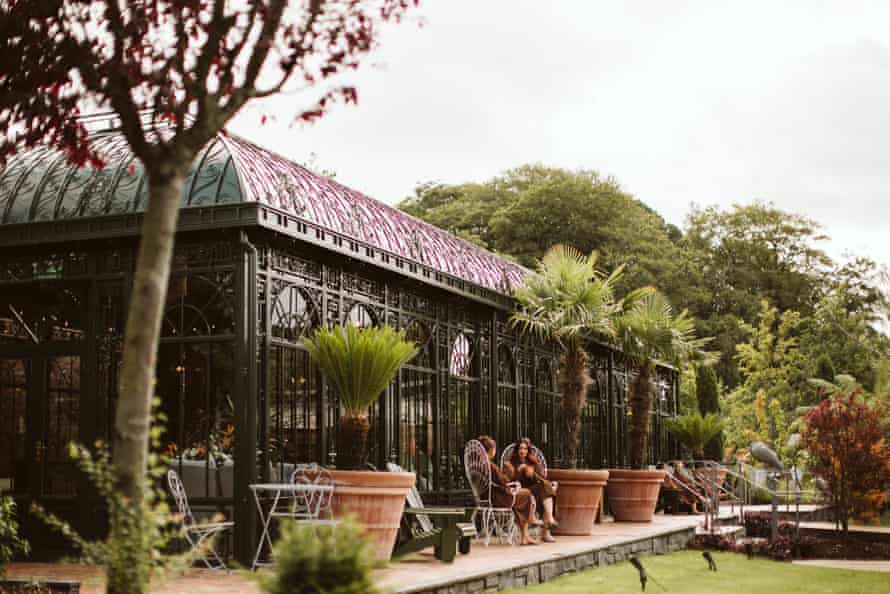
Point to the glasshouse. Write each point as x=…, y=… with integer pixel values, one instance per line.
x=266, y=251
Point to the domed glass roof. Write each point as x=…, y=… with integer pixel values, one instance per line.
x=40, y=185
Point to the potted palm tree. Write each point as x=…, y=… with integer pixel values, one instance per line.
x=568, y=301
x=647, y=330
x=359, y=364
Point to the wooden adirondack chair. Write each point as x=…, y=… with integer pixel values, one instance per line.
x=444, y=528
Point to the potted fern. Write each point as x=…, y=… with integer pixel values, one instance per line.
x=568, y=301
x=647, y=331
x=359, y=364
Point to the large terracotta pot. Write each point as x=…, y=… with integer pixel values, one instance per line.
x=633, y=494
x=578, y=496
x=376, y=499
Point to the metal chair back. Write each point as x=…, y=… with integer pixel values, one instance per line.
x=535, y=451
x=180, y=498
x=477, y=468
x=312, y=504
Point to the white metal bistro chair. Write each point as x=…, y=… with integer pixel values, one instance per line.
x=494, y=521
x=311, y=507
x=197, y=534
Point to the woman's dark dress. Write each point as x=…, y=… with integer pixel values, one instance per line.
x=501, y=497
x=538, y=484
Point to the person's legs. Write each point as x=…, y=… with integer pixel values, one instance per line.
x=524, y=510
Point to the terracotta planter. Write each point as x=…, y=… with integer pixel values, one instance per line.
x=633, y=494
x=578, y=496
x=376, y=499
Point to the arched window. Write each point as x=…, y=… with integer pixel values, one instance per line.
x=199, y=305
x=361, y=316
x=294, y=314
x=506, y=366
x=461, y=363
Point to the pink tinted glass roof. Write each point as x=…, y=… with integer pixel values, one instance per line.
x=278, y=182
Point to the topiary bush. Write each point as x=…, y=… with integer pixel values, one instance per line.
x=321, y=560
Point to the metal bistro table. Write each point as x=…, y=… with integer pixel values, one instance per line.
x=301, y=502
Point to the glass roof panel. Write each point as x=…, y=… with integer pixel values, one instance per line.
x=205, y=184
x=27, y=186
x=232, y=170
x=53, y=182
x=230, y=190
x=123, y=195
x=9, y=182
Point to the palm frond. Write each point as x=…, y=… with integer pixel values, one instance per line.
x=359, y=363
x=695, y=431
x=648, y=330
x=567, y=298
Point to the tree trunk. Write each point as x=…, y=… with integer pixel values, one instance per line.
x=352, y=441
x=133, y=416
x=574, y=378
x=128, y=571
x=640, y=403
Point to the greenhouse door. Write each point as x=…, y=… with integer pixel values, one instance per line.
x=39, y=417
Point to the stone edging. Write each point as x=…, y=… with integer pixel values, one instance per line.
x=544, y=571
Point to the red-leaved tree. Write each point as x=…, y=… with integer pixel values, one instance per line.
x=845, y=438
x=175, y=72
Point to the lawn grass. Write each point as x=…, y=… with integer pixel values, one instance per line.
x=687, y=572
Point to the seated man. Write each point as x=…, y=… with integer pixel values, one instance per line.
x=528, y=471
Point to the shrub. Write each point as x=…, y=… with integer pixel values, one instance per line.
x=11, y=544
x=845, y=438
x=140, y=534
x=708, y=394
x=320, y=560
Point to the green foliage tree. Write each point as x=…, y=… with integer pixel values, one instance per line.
x=359, y=364
x=738, y=257
x=647, y=331
x=841, y=340
x=695, y=431
x=569, y=301
x=525, y=211
x=708, y=394
x=325, y=560
x=771, y=363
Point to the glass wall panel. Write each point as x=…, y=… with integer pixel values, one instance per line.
x=195, y=386
x=14, y=382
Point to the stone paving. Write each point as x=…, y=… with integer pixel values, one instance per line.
x=846, y=564
x=92, y=579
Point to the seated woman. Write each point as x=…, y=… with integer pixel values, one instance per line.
x=528, y=471
x=502, y=495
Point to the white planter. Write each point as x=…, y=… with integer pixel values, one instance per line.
x=202, y=480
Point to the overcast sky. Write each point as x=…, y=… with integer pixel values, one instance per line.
x=706, y=102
